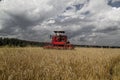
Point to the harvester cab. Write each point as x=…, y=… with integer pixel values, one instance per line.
x=59, y=41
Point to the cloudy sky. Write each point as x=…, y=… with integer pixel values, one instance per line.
x=91, y=22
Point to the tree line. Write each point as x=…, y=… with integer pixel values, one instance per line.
x=14, y=42
x=18, y=43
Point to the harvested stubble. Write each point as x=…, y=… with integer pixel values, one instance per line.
x=34, y=63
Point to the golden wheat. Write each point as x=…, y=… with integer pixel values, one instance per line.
x=40, y=64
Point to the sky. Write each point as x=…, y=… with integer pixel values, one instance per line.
x=86, y=22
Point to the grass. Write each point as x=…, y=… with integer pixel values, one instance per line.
x=34, y=63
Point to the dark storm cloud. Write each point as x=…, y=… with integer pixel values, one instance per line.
x=109, y=29
x=17, y=23
x=19, y=20
x=83, y=31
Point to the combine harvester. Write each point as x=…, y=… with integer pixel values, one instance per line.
x=59, y=41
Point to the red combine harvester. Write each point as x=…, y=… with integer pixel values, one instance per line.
x=59, y=41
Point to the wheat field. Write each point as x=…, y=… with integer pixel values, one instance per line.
x=35, y=63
